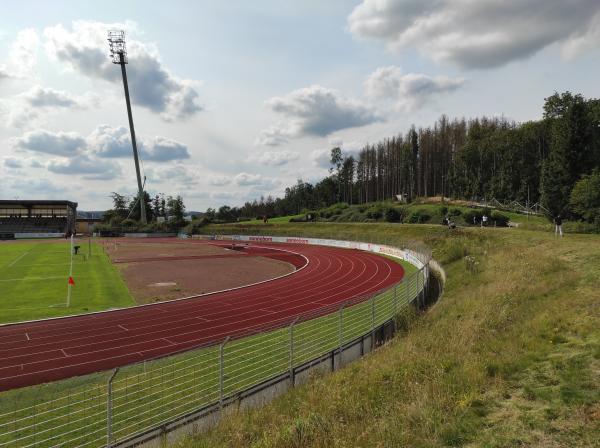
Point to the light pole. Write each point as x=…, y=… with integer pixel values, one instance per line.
x=118, y=51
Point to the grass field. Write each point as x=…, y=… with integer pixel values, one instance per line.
x=34, y=276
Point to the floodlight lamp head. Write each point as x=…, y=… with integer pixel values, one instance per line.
x=118, y=50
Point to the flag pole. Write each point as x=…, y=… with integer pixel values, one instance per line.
x=70, y=275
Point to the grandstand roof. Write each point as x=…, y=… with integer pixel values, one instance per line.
x=26, y=202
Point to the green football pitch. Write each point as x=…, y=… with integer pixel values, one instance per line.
x=34, y=280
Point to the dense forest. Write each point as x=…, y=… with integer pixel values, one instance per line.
x=482, y=158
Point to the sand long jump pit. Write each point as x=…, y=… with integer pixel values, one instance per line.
x=165, y=270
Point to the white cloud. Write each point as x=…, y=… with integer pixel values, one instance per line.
x=273, y=136
x=257, y=181
x=110, y=142
x=583, y=41
x=478, y=34
x=182, y=176
x=91, y=169
x=408, y=91
x=219, y=181
x=163, y=149
x=29, y=109
x=315, y=111
x=19, y=117
x=40, y=188
x=84, y=48
x=275, y=158
x=56, y=143
x=88, y=156
x=224, y=195
x=114, y=142
x=10, y=162
x=22, y=56
x=245, y=179
x=39, y=96
x=322, y=157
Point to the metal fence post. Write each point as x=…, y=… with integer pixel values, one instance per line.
x=292, y=375
x=109, y=405
x=221, y=370
x=422, y=298
x=373, y=323
x=426, y=280
x=341, y=330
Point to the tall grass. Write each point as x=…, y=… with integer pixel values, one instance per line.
x=509, y=357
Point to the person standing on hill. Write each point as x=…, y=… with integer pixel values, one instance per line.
x=558, y=226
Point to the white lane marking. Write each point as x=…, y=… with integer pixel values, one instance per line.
x=44, y=264
x=267, y=311
x=17, y=259
x=122, y=327
x=33, y=278
x=27, y=335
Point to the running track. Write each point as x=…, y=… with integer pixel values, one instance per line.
x=43, y=351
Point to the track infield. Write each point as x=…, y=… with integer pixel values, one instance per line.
x=43, y=351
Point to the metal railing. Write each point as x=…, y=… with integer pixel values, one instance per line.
x=140, y=397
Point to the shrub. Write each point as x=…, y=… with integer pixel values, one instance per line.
x=455, y=212
x=443, y=210
x=356, y=217
x=392, y=215
x=195, y=226
x=419, y=217
x=455, y=250
x=374, y=212
x=406, y=318
x=500, y=219
x=129, y=223
x=473, y=213
x=585, y=197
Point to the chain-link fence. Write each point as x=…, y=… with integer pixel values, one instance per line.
x=141, y=397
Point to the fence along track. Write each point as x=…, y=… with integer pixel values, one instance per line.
x=148, y=395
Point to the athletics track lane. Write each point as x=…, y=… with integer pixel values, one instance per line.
x=38, y=352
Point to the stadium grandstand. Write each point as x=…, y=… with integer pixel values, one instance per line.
x=30, y=218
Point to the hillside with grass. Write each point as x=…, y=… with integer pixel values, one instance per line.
x=510, y=356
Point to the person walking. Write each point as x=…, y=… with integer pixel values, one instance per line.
x=558, y=226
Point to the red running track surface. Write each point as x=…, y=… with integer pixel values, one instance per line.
x=42, y=351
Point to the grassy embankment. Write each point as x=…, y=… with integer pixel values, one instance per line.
x=431, y=211
x=34, y=275
x=509, y=357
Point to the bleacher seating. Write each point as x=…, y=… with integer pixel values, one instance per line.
x=33, y=225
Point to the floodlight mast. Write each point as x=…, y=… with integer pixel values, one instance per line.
x=118, y=51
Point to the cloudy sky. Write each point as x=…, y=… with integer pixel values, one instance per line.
x=234, y=100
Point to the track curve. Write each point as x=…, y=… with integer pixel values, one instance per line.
x=38, y=352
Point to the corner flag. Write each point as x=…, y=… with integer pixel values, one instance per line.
x=71, y=281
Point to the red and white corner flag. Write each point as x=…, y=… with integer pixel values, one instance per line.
x=71, y=281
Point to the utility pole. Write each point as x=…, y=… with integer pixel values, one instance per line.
x=118, y=51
